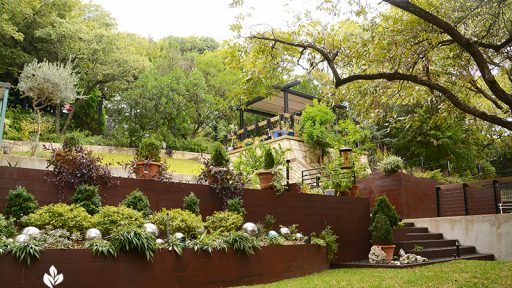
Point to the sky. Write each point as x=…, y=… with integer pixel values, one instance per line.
x=160, y=18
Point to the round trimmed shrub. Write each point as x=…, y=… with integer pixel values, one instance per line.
x=110, y=219
x=137, y=201
x=71, y=218
x=87, y=196
x=19, y=203
x=149, y=149
x=224, y=221
x=182, y=221
x=391, y=164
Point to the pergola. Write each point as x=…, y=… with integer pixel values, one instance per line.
x=287, y=101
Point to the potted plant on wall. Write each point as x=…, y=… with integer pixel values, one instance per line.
x=147, y=159
x=266, y=175
x=382, y=220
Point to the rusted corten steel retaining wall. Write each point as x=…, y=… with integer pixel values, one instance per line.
x=348, y=217
x=221, y=269
x=413, y=197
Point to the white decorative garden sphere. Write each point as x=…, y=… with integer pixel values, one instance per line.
x=22, y=238
x=250, y=228
x=30, y=231
x=179, y=235
x=151, y=229
x=272, y=234
x=200, y=231
x=92, y=234
x=284, y=231
x=299, y=236
x=159, y=241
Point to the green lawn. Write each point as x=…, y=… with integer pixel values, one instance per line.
x=175, y=165
x=462, y=273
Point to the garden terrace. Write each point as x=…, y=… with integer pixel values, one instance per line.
x=348, y=217
x=192, y=269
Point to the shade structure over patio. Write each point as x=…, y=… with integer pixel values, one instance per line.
x=286, y=100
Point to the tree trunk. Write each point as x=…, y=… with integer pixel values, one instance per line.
x=57, y=118
x=35, y=145
x=68, y=121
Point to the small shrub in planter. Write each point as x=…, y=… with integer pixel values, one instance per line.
x=224, y=221
x=182, y=221
x=266, y=175
x=219, y=156
x=110, y=219
x=137, y=201
x=236, y=205
x=7, y=228
x=381, y=231
x=149, y=149
x=384, y=207
x=134, y=239
x=72, y=218
x=78, y=166
x=19, y=203
x=391, y=164
x=87, y=196
x=191, y=203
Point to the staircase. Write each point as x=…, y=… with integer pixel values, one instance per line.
x=417, y=240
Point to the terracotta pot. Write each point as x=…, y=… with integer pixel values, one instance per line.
x=153, y=169
x=144, y=170
x=354, y=191
x=389, y=250
x=265, y=179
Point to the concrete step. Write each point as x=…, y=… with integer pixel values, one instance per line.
x=408, y=224
x=413, y=230
x=409, y=245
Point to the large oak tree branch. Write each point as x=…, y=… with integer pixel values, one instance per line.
x=396, y=76
x=470, y=47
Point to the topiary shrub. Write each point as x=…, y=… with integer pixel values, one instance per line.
x=110, y=219
x=71, y=141
x=381, y=231
x=149, y=149
x=224, y=221
x=191, y=203
x=268, y=159
x=384, y=207
x=7, y=228
x=137, y=201
x=391, y=164
x=71, y=218
x=236, y=205
x=182, y=221
x=19, y=203
x=87, y=196
x=219, y=156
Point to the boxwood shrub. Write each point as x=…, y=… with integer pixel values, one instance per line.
x=19, y=203
x=71, y=218
x=182, y=221
x=111, y=218
x=224, y=221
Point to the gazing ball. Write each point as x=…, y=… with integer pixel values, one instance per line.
x=299, y=236
x=151, y=229
x=22, y=238
x=200, y=231
x=30, y=231
x=250, y=228
x=92, y=234
x=284, y=231
x=179, y=236
x=272, y=234
x=159, y=241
